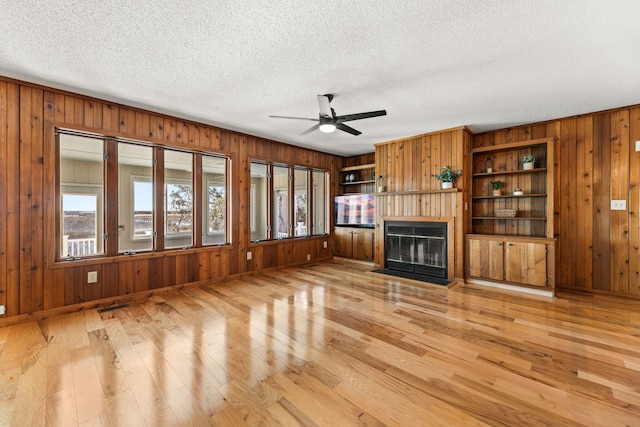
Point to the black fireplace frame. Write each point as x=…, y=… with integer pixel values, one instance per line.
x=420, y=230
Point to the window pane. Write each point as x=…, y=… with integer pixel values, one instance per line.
x=214, y=200
x=301, y=181
x=178, y=196
x=259, y=202
x=319, y=195
x=81, y=189
x=135, y=198
x=282, y=225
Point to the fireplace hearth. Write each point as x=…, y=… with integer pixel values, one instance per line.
x=416, y=250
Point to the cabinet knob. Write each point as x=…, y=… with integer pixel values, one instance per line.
x=499, y=244
x=509, y=244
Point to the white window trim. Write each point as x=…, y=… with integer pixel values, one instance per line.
x=80, y=189
x=133, y=179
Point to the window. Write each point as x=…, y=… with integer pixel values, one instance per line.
x=281, y=202
x=135, y=198
x=283, y=205
x=214, y=183
x=301, y=199
x=319, y=196
x=259, y=203
x=178, y=199
x=81, y=181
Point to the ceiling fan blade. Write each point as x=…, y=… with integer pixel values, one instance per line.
x=311, y=129
x=325, y=106
x=359, y=116
x=348, y=129
x=295, y=118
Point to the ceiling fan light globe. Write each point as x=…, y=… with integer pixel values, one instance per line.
x=327, y=127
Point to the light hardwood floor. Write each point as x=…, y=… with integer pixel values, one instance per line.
x=329, y=344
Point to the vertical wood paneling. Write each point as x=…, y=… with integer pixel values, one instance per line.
x=408, y=165
x=601, y=202
x=620, y=191
x=3, y=191
x=26, y=194
x=584, y=204
x=634, y=203
x=595, y=163
x=37, y=200
x=568, y=202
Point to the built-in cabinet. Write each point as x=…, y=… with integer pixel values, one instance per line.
x=511, y=235
x=518, y=261
x=356, y=243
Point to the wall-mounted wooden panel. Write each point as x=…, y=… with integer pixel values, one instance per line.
x=31, y=280
x=407, y=167
x=596, y=162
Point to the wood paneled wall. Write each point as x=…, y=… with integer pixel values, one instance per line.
x=598, y=249
x=30, y=279
x=407, y=166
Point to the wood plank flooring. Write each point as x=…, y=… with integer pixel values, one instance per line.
x=329, y=344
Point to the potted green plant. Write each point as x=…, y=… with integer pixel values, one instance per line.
x=527, y=161
x=496, y=187
x=448, y=176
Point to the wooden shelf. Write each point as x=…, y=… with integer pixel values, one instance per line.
x=404, y=193
x=517, y=218
x=507, y=196
x=368, y=181
x=511, y=146
x=513, y=172
x=358, y=167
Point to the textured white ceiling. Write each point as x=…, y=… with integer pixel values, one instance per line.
x=431, y=64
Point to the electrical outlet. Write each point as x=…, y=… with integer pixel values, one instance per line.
x=618, y=205
x=324, y=244
x=92, y=277
x=308, y=257
x=637, y=145
x=2, y=310
x=249, y=256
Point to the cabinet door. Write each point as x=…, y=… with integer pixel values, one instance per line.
x=344, y=242
x=486, y=259
x=526, y=263
x=363, y=244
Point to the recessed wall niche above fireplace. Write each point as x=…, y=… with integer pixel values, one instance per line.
x=417, y=250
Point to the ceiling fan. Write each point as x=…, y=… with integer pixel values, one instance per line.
x=329, y=122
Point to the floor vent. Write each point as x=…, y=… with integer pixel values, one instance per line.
x=113, y=307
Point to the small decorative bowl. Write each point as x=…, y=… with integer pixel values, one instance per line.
x=518, y=192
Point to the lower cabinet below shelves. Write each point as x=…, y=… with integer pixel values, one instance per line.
x=512, y=260
x=356, y=243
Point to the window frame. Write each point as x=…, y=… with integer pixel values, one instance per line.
x=108, y=197
x=271, y=209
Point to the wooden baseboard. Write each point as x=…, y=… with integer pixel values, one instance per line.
x=122, y=299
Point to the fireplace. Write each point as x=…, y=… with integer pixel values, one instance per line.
x=417, y=250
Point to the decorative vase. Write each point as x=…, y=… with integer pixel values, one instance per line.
x=497, y=192
x=527, y=166
x=488, y=165
x=447, y=185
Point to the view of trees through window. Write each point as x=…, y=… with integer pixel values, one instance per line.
x=179, y=208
